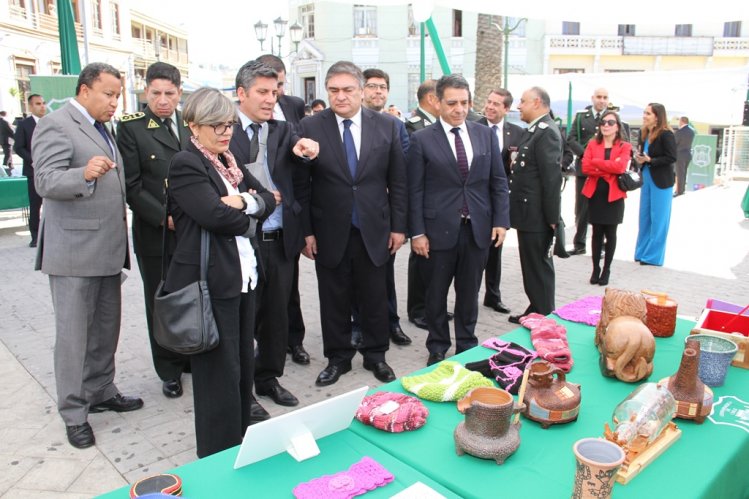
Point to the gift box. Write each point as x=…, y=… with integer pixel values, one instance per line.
x=716, y=323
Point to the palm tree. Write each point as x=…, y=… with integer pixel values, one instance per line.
x=488, y=58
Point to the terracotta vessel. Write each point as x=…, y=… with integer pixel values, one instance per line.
x=598, y=461
x=627, y=350
x=487, y=431
x=549, y=399
x=693, y=399
x=661, y=314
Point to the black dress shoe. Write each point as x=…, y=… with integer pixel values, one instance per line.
x=419, y=322
x=80, y=436
x=434, y=358
x=118, y=403
x=381, y=370
x=257, y=412
x=279, y=394
x=32, y=244
x=172, y=388
x=577, y=251
x=299, y=355
x=398, y=337
x=515, y=319
x=498, y=307
x=330, y=374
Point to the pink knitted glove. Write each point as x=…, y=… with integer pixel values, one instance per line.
x=550, y=340
x=360, y=478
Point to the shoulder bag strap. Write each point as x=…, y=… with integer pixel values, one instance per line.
x=164, y=228
x=205, y=252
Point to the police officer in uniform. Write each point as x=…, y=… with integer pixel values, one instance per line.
x=148, y=140
x=535, y=197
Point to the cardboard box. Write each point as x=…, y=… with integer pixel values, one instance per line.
x=712, y=322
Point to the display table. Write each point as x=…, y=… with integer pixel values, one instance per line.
x=708, y=460
x=13, y=193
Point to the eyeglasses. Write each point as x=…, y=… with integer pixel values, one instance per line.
x=375, y=86
x=608, y=122
x=221, y=128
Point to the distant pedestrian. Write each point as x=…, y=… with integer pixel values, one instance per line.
x=6, y=133
x=22, y=147
x=684, y=139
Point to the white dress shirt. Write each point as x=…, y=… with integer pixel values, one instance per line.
x=464, y=137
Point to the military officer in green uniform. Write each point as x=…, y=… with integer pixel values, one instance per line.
x=148, y=140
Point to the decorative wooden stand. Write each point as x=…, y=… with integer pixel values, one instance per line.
x=639, y=454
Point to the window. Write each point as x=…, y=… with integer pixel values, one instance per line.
x=307, y=18
x=17, y=5
x=365, y=20
x=24, y=69
x=96, y=18
x=76, y=10
x=458, y=23
x=570, y=28
x=732, y=29
x=136, y=31
x=683, y=30
x=50, y=7
x=115, y=11
x=626, y=30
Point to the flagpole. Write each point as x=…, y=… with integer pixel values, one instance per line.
x=85, y=32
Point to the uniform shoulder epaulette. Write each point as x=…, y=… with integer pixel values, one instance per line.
x=543, y=126
x=133, y=116
x=415, y=119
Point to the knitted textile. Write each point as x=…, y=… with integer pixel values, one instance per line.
x=550, y=340
x=506, y=366
x=393, y=412
x=448, y=382
x=585, y=310
x=359, y=479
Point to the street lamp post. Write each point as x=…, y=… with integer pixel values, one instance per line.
x=261, y=32
x=295, y=31
x=506, y=31
x=280, y=27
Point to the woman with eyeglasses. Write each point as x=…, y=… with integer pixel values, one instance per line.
x=209, y=190
x=656, y=157
x=605, y=158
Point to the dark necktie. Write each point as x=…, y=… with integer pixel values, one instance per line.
x=460, y=153
x=598, y=117
x=352, y=160
x=499, y=136
x=168, y=124
x=103, y=132
x=254, y=142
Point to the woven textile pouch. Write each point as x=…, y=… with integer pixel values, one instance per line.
x=449, y=382
x=392, y=412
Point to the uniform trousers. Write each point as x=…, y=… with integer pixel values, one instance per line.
x=537, y=267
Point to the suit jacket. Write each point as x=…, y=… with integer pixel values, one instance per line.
x=662, y=154
x=283, y=168
x=595, y=166
x=418, y=121
x=536, y=179
x=293, y=109
x=84, y=229
x=436, y=189
x=379, y=190
x=511, y=134
x=6, y=132
x=22, y=145
x=195, y=191
x=684, y=138
x=147, y=149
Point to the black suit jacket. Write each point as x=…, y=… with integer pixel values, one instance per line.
x=22, y=145
x=536, y=179
x=6, y=132
x=662, y=154
x=684, y=138
x=283, y=168
x=436, y=189
x=195, y=191
x=293, y=109
x=511, y=134
x=379, y=189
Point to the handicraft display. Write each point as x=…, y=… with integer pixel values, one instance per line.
x=549, y=399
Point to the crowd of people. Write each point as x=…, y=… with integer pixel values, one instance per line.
x=345, y=186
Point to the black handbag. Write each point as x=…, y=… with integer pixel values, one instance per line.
x=183, y=320
x=630, y=180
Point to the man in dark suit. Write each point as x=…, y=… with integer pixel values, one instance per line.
x=83, y=247
x=458, y=207
x=290, y=108
x=497, y=106
x=6, y=133
x=684, y=139
x=22, y=147
x=148, y=140
x=264, y=146
x=354, y=204
x=535, y=198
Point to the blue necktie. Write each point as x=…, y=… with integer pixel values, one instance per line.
x=100, y=128
x=353, y=161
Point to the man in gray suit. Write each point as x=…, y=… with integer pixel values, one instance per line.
x=83, y=247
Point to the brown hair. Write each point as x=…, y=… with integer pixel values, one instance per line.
x=661, y=122
x=599, y=135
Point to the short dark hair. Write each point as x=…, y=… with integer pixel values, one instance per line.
x=451, y=81
x=345, y=67
x=684, y=120
x=376, y=73
x=543, y=96
x=163, y=71
x=251, y=70
x=426, y=88
x=505, y=94
x=318, y=102
x=32, y=96
x=92, y=72
x=273, y=61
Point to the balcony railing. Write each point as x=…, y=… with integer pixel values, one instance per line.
x=39, y=21
x=645, y=45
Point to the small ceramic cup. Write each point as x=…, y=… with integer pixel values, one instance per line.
x=716, y=355
x=598, y=461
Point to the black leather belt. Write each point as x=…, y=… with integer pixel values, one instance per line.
x=271, y=235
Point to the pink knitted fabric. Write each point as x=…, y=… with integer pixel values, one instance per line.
x=585, y=310
x=360, y=478
x=550, y=340
x=393, y=412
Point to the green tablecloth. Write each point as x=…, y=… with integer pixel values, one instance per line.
x=13, y=193
x=707, y=461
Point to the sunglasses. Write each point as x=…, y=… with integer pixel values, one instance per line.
x=608, y=122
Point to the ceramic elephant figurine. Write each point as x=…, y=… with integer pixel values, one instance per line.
x=627, y=350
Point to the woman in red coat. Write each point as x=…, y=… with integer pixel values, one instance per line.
x=604, y=160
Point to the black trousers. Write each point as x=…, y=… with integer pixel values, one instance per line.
x=581, y=214
x=35, y=206
x=357, y=275
x=493, y=275
x=682, y=163
x=465, y=265
x=537, y=268
x=271, y=319
x=7, y=155
x=417, y=286
x=393, y=318
x=168, y=365
x=222, y=378
x=295, y=317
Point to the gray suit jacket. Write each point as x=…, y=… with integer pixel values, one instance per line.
x=84, y=229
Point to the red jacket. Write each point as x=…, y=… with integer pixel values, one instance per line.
x=595, y=167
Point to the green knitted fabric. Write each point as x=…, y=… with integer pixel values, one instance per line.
x=450, y=381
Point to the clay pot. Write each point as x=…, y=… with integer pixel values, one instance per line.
x=693, y=399
x=716, y=355
x=598, y=461
x=549, y=399
x=487, y=431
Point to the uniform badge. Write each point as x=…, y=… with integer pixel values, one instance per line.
x=133, y=116
x=414, y=119
x=152, y=124
x=543, y=126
